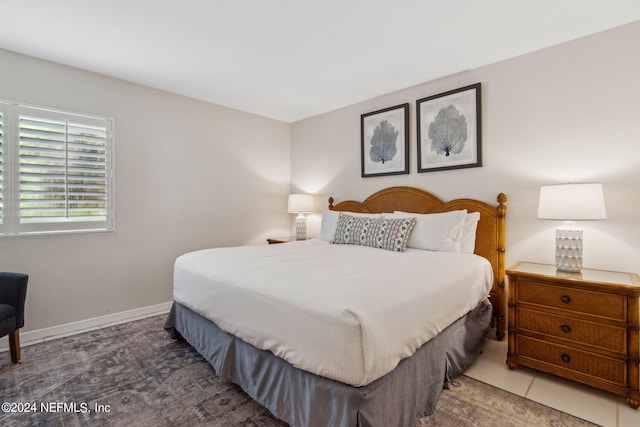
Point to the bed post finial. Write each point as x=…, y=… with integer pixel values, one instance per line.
x=330, y=203
x=502, y=199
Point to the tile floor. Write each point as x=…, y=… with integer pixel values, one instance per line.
x=593, y=405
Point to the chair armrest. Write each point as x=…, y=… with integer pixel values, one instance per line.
x=13, y=291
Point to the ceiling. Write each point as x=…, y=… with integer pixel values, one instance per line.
x=292, y=59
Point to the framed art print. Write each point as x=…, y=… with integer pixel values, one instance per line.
x=385, y=141
x=449, y=130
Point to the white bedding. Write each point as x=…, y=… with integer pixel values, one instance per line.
x=348, y=313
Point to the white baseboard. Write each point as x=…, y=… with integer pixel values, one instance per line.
x=60, y=331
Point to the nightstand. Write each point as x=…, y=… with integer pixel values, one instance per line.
x=274, y=240
x=581, y=326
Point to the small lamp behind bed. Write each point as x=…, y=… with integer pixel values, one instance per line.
x=300, y=204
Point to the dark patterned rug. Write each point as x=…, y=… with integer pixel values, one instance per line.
x=134, y=375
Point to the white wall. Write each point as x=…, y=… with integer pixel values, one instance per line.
x=189, y=175
x=566, y=113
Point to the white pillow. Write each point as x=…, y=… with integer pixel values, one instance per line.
x=468, y=240
x=330, y=221
x=436, y=232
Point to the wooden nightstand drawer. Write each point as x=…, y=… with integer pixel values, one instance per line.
x=606, y=368
x=597, y=335
x=601, y=304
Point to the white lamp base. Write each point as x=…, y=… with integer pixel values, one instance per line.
x=301, y=227
x=569, y=247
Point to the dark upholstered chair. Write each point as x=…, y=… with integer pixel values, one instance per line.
x=13, y=292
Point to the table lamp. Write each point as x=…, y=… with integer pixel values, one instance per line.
x=570, y=203
x=300, y=204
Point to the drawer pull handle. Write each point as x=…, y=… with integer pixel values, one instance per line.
x=566, y=299
x=565, y=328
x=565, y=358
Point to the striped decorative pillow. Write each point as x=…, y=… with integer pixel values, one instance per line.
x=391, y=234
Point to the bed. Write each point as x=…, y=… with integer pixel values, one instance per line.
x=332, y=331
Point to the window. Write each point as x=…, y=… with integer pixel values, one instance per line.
x=55, y=171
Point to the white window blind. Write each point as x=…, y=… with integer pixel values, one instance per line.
x=62, y=172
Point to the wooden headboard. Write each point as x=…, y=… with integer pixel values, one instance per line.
x=490, y=235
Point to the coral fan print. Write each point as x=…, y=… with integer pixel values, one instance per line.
x=449, y=130
x=385, y=141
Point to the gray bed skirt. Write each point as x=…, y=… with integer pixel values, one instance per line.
x=303, y=399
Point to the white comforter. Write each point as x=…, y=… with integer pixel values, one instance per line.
x=348, y=313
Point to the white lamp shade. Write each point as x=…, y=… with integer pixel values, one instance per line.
x=575, y=202
x=300, y=203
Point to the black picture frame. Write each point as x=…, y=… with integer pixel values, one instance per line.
x=449, y=130
x=385, y=141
